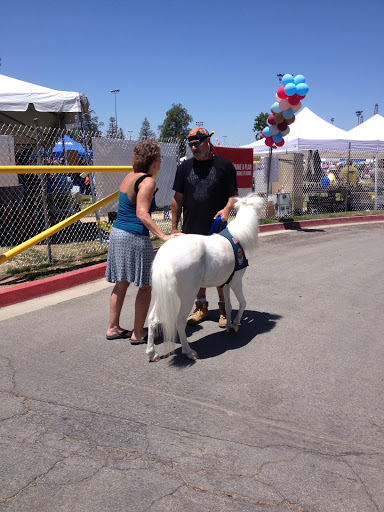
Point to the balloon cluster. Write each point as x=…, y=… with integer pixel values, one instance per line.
x=288, y=97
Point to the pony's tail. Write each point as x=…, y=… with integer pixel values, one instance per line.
x=166, y=300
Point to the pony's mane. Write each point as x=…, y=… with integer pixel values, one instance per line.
x=245, y=226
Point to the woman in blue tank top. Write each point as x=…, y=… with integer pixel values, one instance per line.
x=130, y=253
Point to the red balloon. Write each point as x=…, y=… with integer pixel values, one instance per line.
x=279, y=144
x=281, y=94
x=269, y=141
x=300, y=97
x=271, y=119
x=282, y=126
x=294, y=100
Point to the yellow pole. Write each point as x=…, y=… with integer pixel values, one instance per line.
x=62, y=169
x=57, y=227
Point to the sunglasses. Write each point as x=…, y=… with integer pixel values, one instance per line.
x=196, y=143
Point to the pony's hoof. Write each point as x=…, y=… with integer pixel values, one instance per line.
x=231, y=331
x=194, y=356
x=154, y=359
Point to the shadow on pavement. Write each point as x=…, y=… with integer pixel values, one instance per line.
x=252, y=324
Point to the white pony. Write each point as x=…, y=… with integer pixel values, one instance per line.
x=187, y=263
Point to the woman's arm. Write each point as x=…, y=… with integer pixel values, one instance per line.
x=143, y=204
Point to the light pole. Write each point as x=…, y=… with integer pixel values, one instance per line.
x=225, y=138
x=358, y=113
x=115, y=91
x=332, y=119
x=130, y=136
x=280, y=76
x=199, y=123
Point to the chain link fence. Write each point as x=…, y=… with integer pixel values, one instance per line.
x=306, y=181
x=31, y=202
x=318, y=181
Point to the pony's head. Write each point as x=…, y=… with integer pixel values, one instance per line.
x=252, y=200
x=246, y=224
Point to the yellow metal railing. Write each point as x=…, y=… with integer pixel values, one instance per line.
x=59, y=169
x=57, y=227
x=62, y=169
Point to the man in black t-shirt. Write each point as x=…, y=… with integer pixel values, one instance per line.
x=205, y=187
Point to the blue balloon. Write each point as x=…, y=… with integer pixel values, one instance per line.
x=325, y=182
x=278, y=137
x=290, y=89
x=266, y=132
x=275, y=107
x=287, y=78
x=287, y=114
x=299, y=79
x=302, y=89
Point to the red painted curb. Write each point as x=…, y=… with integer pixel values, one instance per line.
x=22, y=292
x=26, y=291
x=302, y=224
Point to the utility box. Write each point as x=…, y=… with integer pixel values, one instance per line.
x=282, y=205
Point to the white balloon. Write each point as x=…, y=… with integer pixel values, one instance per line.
x=297, y=107
x=284, y=104
x=273, y=129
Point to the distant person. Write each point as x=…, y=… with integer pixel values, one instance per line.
x=349, y=174
x=130, y=252
x=205, y=188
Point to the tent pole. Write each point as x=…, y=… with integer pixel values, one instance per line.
x=268, y=179
x=91, y=178
x=43, y=182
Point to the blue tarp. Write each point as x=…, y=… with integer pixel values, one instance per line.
x=69, y=144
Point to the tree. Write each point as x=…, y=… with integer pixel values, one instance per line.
x=260, y=123
x=111, y=132
x=175, y=124
x=145, y=131
x=92, y=125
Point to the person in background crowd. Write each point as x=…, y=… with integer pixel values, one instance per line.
x=349, y=174
x=205, y=187
x=130, y=252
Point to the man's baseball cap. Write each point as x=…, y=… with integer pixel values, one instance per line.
x=199, y=133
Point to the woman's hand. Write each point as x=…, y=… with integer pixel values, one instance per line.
x=172, y=235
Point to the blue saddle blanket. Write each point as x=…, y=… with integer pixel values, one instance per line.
x=240, y=259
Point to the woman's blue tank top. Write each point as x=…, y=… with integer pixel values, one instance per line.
x=126, y=216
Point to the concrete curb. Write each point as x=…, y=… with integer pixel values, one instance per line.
x=26, y=291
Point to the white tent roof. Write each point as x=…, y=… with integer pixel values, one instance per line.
x=16, y=95
x=309, y=131
x=371, y=129
x=307, y=125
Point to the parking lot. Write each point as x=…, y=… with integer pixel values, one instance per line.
x=287, y=415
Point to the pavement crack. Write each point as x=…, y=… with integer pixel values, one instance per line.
x=369, y=495
x=290, y=506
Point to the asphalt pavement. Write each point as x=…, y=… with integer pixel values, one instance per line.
x=287, y=415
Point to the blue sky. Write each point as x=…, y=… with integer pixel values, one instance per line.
x=220, y=60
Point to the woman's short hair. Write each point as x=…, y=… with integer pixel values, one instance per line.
x=144, y=154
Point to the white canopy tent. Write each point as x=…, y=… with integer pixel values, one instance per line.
x=22, y=102
x=372, y=129
x=307, y=132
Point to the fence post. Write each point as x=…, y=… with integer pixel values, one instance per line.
x=43, y=183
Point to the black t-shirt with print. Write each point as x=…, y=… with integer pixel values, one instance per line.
x=206, y=185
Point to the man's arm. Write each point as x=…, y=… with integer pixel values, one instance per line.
x=224, y=213
x=177, y=204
